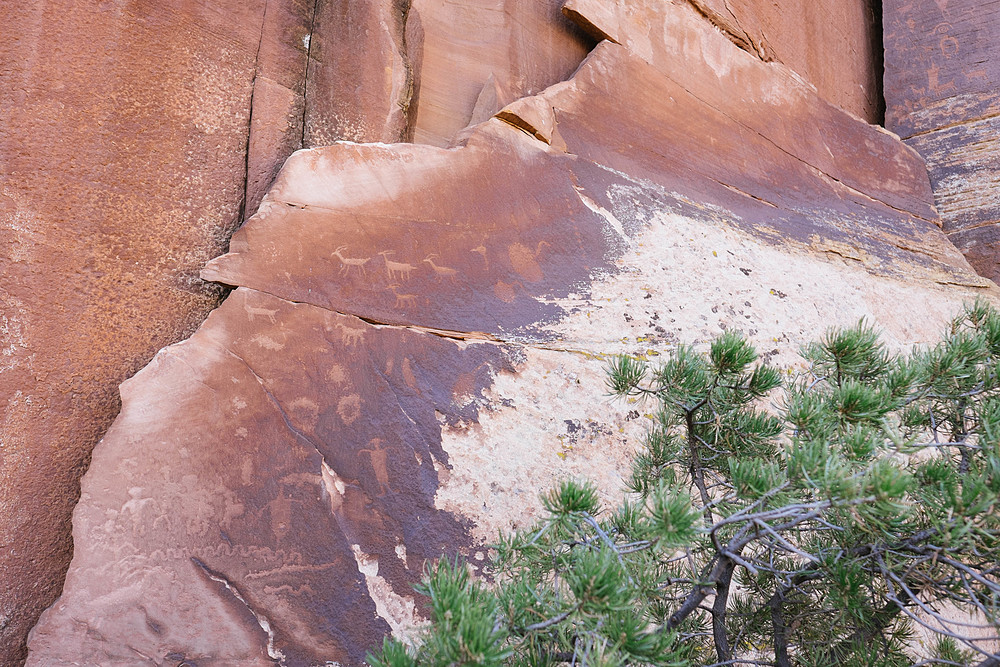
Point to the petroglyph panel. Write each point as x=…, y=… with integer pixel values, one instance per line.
x=245, y=484
x=444, y=243
x=324, y=475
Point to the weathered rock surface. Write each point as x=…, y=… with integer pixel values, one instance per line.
x=123, y=161
x=135, y=136
x=471, y=58
x=361, y=75
x=834, y=45
x=413, y=348
x=942, y=72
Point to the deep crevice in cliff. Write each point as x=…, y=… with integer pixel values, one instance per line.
x=249, y=136
x=878, y=62
x=305, y=74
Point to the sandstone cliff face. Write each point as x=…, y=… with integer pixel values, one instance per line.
x=941, y=80
x=834, y=45
x=414, y=346
x=123, y=133
x=473, y=57
x=134, y=137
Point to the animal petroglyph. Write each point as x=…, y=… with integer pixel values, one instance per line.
x=396, y=270
x=348, y=263
x=403, y=300
x=440, y=272
x=267, y=342
x=350, y=336
x=253, y=312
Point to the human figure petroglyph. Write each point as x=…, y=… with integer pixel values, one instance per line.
x=253, y=312
x=441, y=272
x=403, y=300
x=348, y=263
x=396, y=270
x=379, y=458
x=934, y=83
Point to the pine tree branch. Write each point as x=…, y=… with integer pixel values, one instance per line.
x=779, y=631
x=697, y=473
x=719, y=632
x=541, y=625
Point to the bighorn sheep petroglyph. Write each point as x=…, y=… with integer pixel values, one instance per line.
x=347, y=263
x=441, y=272
x=396, y=270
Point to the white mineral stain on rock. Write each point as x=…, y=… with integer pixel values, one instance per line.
x=398, y=611
x=682, y=281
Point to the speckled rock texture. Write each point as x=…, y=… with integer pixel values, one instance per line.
x=123, y=168
x=414, y=348
x=942, y=76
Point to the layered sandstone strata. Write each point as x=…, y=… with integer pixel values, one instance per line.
x=942, y=73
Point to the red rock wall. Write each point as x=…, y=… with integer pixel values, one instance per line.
x=942, y=77
x=270, y=490
x=471, y=58
x=474, y=57
x=836, y=46
x=135, y=135
x=123, y=158
x=360, y=75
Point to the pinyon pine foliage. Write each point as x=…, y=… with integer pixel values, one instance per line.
x=852, y=518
